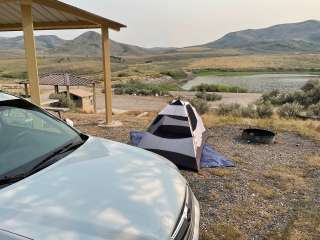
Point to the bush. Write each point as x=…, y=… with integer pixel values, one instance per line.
x=209, y=97
x=64, y=101
x=270, y=96
x=314, y=110
x=218, y=88
x=264, y=110
x=290, y=110
x=229, y=109
x=17, y=75
x=176, y=74
x=123, y=74
x=251, y=111
x=312, y=84
x=144, y=89
x=248, y=112
x=200, y=105
x=308, y=95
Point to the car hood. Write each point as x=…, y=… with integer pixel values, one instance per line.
x=103, y=190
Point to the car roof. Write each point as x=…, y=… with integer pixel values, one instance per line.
x=6, y=97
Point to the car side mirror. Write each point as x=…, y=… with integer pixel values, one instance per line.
x=69, y=122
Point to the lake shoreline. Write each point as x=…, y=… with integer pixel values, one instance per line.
x=256, y=83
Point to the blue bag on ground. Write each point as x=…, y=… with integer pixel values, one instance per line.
x=209, y=158
x=135, y=137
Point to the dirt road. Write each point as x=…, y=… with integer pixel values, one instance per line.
x=151, y=103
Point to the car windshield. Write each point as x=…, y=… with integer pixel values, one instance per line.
x=28, y=136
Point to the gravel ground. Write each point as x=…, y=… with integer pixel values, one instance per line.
x=226, y=197
x=272, y=193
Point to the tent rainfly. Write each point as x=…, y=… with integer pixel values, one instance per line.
x=30, y=15
x=178, y=134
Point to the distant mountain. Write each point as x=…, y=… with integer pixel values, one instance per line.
x=43, y=42
x=87, y=44
x=293, y=37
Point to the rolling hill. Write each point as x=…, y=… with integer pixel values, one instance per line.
x=283, y=38
x=293, y=37
x=87, y=44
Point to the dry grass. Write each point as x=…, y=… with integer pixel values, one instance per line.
x=313, y=161
x=263, y=191
x=221, y=172
x=244, y=62
x=305, y=225
x=213, y=196
x=222, y=232
x=287, y=178
x=230, y=186
x=307, y=128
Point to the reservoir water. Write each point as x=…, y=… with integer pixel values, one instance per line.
x=257, y=83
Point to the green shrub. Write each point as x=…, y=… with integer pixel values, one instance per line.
x=310, y=85
x=314, y=109
x=200, y=105
x=123, y=74
x=248, y=112
x=176, y=74
x=290, y=110
x=218, y=88
x=308, y=95
x=64, y=101
x=264, y=110
x=144, y=89
x=17, y=75
x=119, y=91
x=270, y=96
x=211, y=97
x=229, y=109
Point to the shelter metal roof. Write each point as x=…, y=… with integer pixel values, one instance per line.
x=51, y=14
x=64, y=79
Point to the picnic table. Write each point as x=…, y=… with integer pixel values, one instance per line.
x=57, y=110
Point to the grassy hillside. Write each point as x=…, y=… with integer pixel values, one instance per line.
x=293, y=37
x=87, y=44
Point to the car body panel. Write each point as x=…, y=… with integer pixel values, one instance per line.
x=196, y=229
x=5, y=235
x=103, y=190
x=6, y=97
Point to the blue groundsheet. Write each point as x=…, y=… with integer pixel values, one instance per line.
x=210, y=158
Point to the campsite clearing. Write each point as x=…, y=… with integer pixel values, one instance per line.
x=273, y=193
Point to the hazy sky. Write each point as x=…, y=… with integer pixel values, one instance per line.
x=189, y=22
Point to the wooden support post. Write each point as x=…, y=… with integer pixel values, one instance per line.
x=56, y=89
x=107, y=74
x=26, y=90
x=30, y=49
x=68, y=92
x=94, y=98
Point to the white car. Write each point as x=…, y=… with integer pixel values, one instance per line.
x=59, y=184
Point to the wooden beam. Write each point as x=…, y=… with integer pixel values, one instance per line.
x=50, y=26
x=63, y=7
x=7, y=1
x=30, y=49
x=26, y=90
x=68, y=93
x=94, y=97
x=107, y=74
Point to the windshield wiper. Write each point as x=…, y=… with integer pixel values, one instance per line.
x=49, y=159
x=12, y=179
x=46, y=161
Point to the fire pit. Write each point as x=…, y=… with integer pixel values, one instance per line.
x=254, y=135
